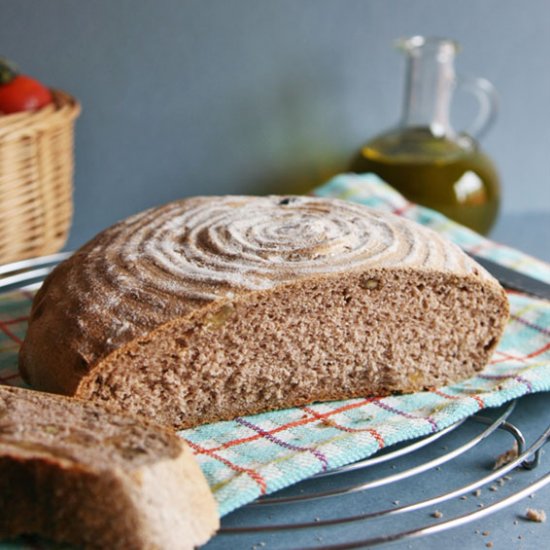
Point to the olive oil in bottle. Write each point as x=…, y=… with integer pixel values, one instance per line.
x=424, y=159
x=459, y=181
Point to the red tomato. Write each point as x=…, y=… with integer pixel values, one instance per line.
x=23, y=93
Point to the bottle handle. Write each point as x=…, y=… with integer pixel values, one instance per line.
x=487, y=98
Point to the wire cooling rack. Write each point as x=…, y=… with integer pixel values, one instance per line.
x=434, y=484
x=424, y=487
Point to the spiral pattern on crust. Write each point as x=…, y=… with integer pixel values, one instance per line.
x=200, y=248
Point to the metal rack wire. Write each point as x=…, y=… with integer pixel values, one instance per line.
x=374, y=476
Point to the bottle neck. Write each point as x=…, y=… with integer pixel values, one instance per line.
x=429, y=86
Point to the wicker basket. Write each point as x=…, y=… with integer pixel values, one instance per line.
x=36, y=172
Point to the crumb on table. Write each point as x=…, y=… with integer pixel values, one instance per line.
x=538, y=516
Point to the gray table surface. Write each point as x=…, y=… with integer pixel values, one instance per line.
x=529, y=232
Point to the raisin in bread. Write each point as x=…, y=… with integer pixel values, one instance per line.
x=213, y=307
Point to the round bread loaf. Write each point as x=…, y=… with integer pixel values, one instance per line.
x=213, y=307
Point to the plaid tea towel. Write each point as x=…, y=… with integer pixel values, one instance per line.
x=252, y=456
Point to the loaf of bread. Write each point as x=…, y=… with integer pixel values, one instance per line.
x=213, y=307
x=73, y=472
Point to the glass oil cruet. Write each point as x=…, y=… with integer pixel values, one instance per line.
x=424, y=158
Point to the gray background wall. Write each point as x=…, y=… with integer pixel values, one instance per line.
x=251, y=96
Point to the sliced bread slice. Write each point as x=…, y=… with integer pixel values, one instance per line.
x=74, y=472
